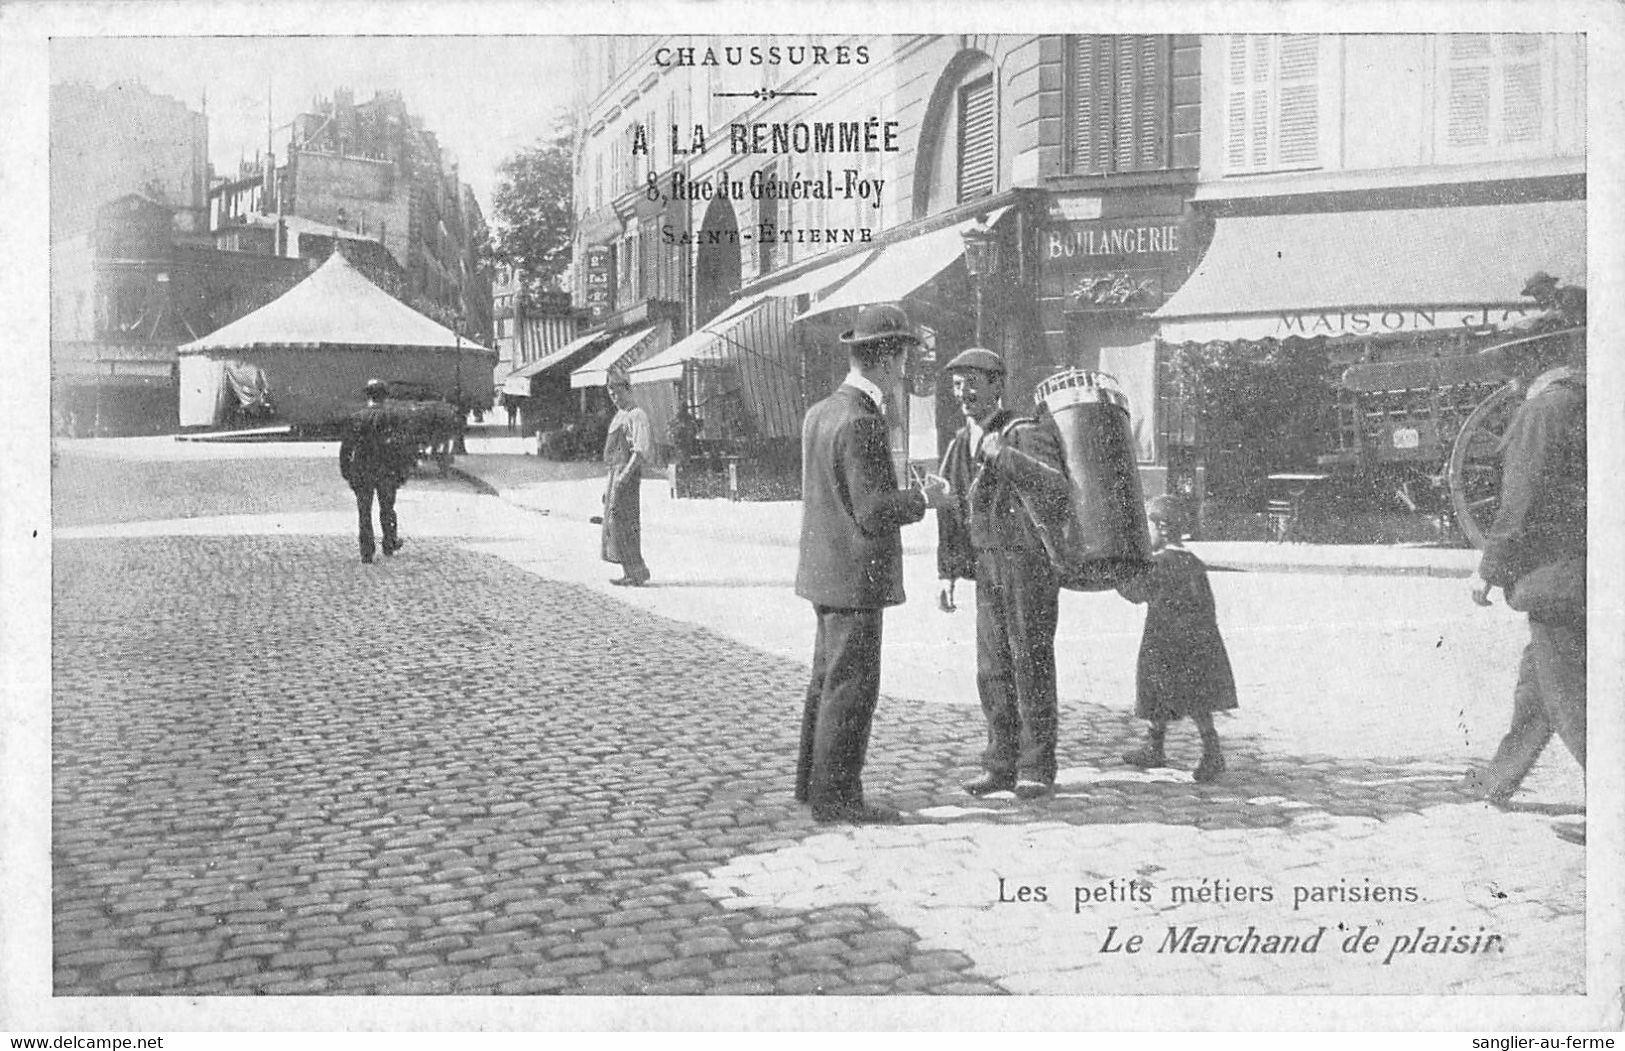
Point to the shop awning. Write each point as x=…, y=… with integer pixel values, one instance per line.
x=713, y=340
x=1373, y=273
x=902, y=268
x=820, y=279
x=752, y=352
x=595, y=373
x=517, y=382
x=710, y=341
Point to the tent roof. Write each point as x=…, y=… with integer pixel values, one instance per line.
x=336, y=305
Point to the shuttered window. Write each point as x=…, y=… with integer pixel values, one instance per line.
x=1495, y=100
x=977, y=141
x=1272, y=119
x=1119, y=92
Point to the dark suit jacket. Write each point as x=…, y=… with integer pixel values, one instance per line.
x=851, y=508
x=371, y=453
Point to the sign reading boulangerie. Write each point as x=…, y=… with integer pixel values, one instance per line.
x=1116, y=264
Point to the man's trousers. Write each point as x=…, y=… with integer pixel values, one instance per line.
x=1560, y=672
x=1525, y=739
x=1016, y=607
x=386, y=516
x=840, y=706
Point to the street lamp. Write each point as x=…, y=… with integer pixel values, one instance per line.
x=981, y=262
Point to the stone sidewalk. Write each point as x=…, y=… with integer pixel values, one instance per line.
x=522, y=480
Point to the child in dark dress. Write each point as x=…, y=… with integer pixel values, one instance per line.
x=1183, y=668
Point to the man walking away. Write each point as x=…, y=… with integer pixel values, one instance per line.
x=851, y=563
x=372, y=459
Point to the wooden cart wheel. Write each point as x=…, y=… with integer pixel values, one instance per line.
x=1474, y=470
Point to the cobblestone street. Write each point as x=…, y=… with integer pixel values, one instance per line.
x=336, y=778
x=279, y=771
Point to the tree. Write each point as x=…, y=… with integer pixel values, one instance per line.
x=534, y=210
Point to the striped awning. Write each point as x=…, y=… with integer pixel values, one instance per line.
x=517, y=382
x=627, y=349
x=712, y=341
x=902, y=268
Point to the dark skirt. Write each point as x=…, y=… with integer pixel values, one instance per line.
x=1183, y=667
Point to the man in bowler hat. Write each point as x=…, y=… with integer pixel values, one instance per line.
x=373, y=460
x=1001, y=469
x=851, y=563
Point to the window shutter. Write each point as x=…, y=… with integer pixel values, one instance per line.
x=1235, y=105
x=1247, y=120
x=1299, y=87
x=1522, y=109
x=976, y=140
x=1151, y=103
x=1124, y=54
x=1467, y=122
x=1092, y=105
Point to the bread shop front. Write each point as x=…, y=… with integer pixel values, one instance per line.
x=1340, y=349
x=1106, y=262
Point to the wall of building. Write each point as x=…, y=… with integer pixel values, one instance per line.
x=373, y=167
x=124, y=139
x=356, y=193
x=1403, y=102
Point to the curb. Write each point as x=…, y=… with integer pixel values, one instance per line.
x=1337, y=568
x=478, y=483
x=1217, y=563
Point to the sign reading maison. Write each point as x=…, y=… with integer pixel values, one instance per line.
x=1378, y=322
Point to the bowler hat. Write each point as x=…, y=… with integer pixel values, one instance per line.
x=376, y=388
x=881, y=321
x=976, y=358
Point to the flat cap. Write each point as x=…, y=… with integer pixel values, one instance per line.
x=979, y=358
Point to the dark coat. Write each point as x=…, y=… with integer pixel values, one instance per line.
x=1542, y=517
x=373, y=453
x=991, y=496
x=851, y=508
x=1183, y=667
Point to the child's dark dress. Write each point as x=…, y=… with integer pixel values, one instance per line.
x=1183, y=667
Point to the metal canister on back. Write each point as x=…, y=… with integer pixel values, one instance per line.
x=1107, y=542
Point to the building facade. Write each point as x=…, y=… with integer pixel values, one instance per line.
x=1371, y=207
x=371, y=171
x=1132, y=204
x=124, y=296
x=830, y=172
x=530, y=329
x=108, y=142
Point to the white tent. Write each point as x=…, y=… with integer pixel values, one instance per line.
x=320, y=341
